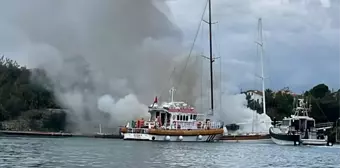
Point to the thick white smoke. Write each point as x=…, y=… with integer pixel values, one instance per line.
x=107, y=59
x=103, y=57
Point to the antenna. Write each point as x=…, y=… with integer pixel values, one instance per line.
x=172, y=91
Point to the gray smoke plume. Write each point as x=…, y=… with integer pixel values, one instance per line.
x=107, y=59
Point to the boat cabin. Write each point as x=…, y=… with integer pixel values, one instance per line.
x=175, y=115
x=299, y=122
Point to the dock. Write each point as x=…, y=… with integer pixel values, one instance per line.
x=58, y=134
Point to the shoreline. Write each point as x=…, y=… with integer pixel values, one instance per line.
x=58, y=134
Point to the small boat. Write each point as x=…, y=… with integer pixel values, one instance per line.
x=299, y=129
x=231, y=134
x=173, y=121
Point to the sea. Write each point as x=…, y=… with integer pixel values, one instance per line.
x=22, y=152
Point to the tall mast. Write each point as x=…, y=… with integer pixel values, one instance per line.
x=260, y=43
x=211, y=62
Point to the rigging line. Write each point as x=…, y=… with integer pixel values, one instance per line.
x=317, y=103
x=191, y=49
x=201, y=74
x=193, y=44
x=220, y=56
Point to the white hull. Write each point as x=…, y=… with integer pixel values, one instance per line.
x=148, y=137
x=317, y=142
x=283, y=142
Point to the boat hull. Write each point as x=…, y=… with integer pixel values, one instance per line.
x=283, y=139
x=173, y=138
x=315, y=142
x=247, y=138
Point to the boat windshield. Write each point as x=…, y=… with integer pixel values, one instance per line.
x=285, y=122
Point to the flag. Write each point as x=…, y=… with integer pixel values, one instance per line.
x=156, y=100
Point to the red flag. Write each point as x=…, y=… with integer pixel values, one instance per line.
x=156, y=100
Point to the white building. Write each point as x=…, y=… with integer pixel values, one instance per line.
x=254, y=95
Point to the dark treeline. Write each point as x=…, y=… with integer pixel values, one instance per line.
x=325, y=103
x=20, y=98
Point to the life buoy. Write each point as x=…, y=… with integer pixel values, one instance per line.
x=296, y=143
x=329, y=143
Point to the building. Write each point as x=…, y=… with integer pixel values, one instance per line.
x=254, y=95
x=286, y=91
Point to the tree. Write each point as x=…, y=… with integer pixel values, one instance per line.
x=19, y=95
x=319, y=91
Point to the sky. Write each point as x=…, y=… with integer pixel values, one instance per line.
x=301, y=40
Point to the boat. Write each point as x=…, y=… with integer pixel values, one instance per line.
x=231, y=130
x=173, y=121
x=177, y=121
x=232, y=135
x=299, y=129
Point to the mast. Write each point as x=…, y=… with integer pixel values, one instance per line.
x=260, y=43
x=211, y=62
x=172, y=91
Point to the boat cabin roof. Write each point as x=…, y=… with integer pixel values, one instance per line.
x=299, y=118
x=173, y=107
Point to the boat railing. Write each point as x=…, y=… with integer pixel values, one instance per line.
x=196, y=125
x=138, y=130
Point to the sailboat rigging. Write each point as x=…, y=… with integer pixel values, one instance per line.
x=233, y=136
x=211, y=62
x=176, y=120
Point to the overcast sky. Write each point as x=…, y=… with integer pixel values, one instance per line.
x=301, y=39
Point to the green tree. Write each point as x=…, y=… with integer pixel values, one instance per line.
x=19, y=95
x=319, y=91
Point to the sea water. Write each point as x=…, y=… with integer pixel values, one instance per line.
x=90, y=152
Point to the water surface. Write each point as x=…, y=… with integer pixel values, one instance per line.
x=87, y=152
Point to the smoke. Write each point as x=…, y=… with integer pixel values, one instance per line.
x=234, y=110
x=104, y=58
x=231, y=108
x=107, y=59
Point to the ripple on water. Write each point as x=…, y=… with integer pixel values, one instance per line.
x=81, y=152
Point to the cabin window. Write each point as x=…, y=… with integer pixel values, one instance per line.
x=186, y=118
x=191, y=117
x=195, y=116
x=181, y=118
x=310, y=124
x=177, y=117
